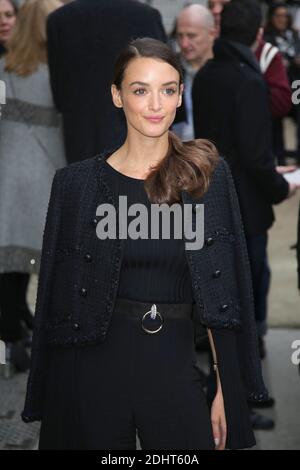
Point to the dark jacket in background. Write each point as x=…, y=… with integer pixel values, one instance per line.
x=298, y=249
x=2, y=50
x=231, y=108
x=84, y=40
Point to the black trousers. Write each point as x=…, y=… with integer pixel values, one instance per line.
x=261, y=277
x=13, y=289
x=100, y=396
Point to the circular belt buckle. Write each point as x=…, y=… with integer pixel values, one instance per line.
x=153, y=318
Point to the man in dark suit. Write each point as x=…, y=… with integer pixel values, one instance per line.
x=231, y=108
x=84, y=40
x=195, y=33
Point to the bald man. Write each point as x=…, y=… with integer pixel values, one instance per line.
x=195, y=33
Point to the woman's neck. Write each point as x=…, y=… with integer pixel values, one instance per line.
x=137, y=155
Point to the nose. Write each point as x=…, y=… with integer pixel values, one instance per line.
x=3, y=21
x=155, y=101
x=184, y=42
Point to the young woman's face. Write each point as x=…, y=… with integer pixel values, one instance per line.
x=280, y=19
x=150, y=94
x=7, y=20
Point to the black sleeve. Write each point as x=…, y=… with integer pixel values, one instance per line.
x=253, y=141
x=196, y=109
x=33, y=402
x=247, y=340
x=53, y=48
x=160, y=30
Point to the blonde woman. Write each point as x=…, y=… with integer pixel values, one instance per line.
x=30, y=151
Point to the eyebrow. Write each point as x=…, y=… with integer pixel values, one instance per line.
x=147, y=84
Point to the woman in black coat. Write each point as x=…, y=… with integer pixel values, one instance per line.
x=113, y=346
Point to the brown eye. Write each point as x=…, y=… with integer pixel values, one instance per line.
x=10, y=14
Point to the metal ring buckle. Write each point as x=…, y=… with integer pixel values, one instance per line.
x=153, y=314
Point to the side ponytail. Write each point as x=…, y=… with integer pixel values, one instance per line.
x=188, y=166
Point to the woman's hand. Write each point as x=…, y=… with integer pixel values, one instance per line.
x=218, y=420
x=283, y=169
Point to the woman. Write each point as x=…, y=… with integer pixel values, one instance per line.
x=8, y=15
x=123, y=303
x=31, y=149
x=279, y=32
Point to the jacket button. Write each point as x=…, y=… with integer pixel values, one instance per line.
x=88, y=258
x=209, y=241
x=26, y=419
x=76, y=326
x=83, y=292
x=217, y=274
x=224, y=308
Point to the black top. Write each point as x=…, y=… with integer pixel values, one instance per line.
x=152, y=269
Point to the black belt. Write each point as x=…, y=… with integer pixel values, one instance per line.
x=152, y=315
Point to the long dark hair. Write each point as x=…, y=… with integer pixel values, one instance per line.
x=187, y=166
x=269, y=27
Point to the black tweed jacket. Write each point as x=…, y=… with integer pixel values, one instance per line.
x=79, y=273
